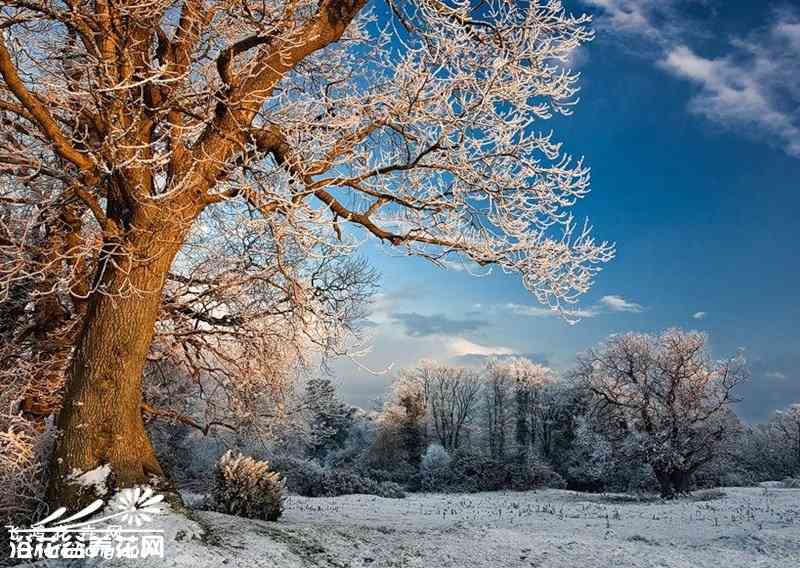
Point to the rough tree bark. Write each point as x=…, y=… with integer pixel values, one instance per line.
x=101, y=422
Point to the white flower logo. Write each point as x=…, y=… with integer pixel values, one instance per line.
x=134, y=506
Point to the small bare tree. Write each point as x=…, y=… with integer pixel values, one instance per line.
x=668, y=391
x=516, y=392
x=451, y=395
x=123, y=123
x=499, y=401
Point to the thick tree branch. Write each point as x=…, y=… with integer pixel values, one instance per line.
x=37, y=110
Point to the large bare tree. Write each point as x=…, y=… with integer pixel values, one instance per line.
x=668, y=393
x=122, y=123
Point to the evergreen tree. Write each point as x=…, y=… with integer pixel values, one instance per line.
x=329, y=418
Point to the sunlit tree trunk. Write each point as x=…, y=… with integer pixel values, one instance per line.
x=100, y=422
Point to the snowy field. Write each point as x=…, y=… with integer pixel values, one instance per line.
x=552, y=529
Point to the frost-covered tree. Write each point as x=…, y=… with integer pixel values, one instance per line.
x=498, y=406
x=403, y=427
x=590, y=460
x=417, y=123
x=413, y=428
x=229, y=348
x=451, y=396
x=669, y=392
x=785, y=424
x=329, y=419
x=530, y=380
x=434, y=468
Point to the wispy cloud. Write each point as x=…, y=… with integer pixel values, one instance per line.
x=625, y=15
x=464, y=265
x=620, y=304
x=537, y=311
x=776, y=375
x=461, y=347
x=474, y=360
x=612, y=303
x=699, y=315
x=420, y=325
x=745, y=89
x=749, y=90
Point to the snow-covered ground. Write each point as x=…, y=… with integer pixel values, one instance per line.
x=744, y=528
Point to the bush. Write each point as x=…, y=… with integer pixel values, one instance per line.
x=390, y=490
x=247, y=487
x=23, y=476
x=309, y=479
x=434, y=469
x=347, y=482
x=401, y=475
x=541, y=475
x=468, y=472
x=791, y=483
x=472, y=472
x=23, y=458
x=303, y=477
x=641, y=480
x=187, y=454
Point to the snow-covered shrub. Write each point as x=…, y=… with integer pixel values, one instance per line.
x=590, y=459
x=725, y=474
x=791, y=483
x=345, y=482
x=472, y=472
x=348, y=482
x=247, y=487
x=23, y=458
x=542, y=476
x=309, y=479
x=528, y=475
x=303, y=477
x=23, y=476
x=390, y=490
x=434, y=469
x=400, y=475
x=641, y=480
x=187, y=454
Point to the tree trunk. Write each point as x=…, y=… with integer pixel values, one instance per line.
x=680, y=481
x=100, y=421
x=665, y=483
x=673, y=482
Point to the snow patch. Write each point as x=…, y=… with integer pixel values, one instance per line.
x=95, y=479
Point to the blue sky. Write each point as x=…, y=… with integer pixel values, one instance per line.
x=690, y=120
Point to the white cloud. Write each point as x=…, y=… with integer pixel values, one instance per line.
x=751, y=90
x=465, y=265
x=776, y=375
x=459, y=347
x=699, y=315
x=620, y=304
x=748, y=90
x=790, y=31
x=531, y=311
x=543, y=312
x=612, y=303
x=625, y=15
